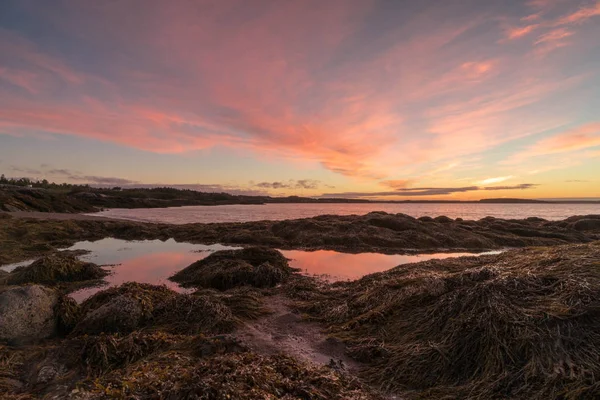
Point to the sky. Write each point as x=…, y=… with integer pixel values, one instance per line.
x=375, y=99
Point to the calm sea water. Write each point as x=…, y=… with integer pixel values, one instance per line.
x=245, y=213
x=154, y=261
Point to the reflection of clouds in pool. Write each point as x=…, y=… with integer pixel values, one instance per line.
x=148, y=261
x=341, y=266
x=154, y=261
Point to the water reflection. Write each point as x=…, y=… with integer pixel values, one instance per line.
x=154, y=261
x=336, y=266
x=147, y=261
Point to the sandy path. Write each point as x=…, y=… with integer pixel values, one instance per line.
x=284, y=331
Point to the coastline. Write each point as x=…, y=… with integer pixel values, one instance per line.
x=25, y=237
x=272, y=325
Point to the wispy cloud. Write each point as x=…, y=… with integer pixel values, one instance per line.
x=397, y=183
x=66, y=175
x=494, y=180
x=292, y=184
x=429, y=191
x=579, y=138
x=355, y=94
x=552, y=31
x=521, y=186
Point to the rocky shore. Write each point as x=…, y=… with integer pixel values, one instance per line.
x=23, y=238
x=522, y=324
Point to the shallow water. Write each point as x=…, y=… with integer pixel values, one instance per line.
x=154, y=261
x=245, y=213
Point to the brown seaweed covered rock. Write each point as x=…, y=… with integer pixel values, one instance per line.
x=55, y=269
x=254, y=266
x=133, y=306
x=521, y=325
x=27, y=313
x=228, y=373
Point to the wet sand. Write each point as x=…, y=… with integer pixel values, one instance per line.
x=286, y=331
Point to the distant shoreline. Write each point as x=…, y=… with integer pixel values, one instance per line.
x=85, y=199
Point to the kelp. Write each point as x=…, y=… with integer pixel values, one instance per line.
x=134, y=306
x=524, y=324
x=228, y=375
x=254, y=266
x=56, y=269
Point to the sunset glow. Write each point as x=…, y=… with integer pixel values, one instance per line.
x=459, y=99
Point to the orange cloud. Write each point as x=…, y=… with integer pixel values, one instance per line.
x=580, y=138
x=181, y=76
x=490, y=181
x=397, y=183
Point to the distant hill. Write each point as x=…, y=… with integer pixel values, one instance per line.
x=27, y=195
x=512, y=201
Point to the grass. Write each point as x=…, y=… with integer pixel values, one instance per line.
x=524, y=324
x=254, y=266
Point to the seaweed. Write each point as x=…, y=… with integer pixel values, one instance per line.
x=227, y=375
x=524, y=324
x=134, y=306
x=56, y=269
x=254, y=266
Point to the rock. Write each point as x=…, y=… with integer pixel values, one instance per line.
x=398, y=222
x=535, y=219
x=442, y=219
x=27, y=313
x=587, y=225
x=120, y=314
x=49, y=371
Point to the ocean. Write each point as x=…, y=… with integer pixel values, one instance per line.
x=245, y=213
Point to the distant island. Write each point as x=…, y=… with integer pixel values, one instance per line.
x=28, y=195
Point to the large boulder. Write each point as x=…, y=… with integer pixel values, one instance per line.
x=27, y=313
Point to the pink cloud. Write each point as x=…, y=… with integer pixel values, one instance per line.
x=520, y=31
x=581, y=15
x=554, y=35
x=23, y=79
x=555, y=29
x=183, y=76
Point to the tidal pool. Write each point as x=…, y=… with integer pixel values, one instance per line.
x=154, y=261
